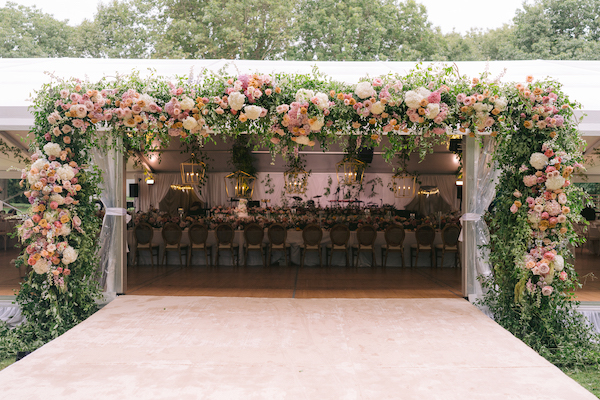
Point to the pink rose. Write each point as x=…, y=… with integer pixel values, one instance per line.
x=545, y=215
x=549, y=255
x=547, y=290
x=514, y=208
x=530, y=180
x=562, y=276
x=544, y=268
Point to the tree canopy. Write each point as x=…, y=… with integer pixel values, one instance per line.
x=311, y=30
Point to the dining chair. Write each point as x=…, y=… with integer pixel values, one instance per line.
x=425, y=235
x=143, y=238
x=339, y=234
x=450, y=235
x=365, y=236
x=198, y=235
x=312, y=235
x=5, y=229
x=394, y=241
x=253, y=241
x=171, y=234
x=225, y=236
x=277, y=235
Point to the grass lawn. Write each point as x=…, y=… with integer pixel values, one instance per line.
x=5, y=362
x=588, y=377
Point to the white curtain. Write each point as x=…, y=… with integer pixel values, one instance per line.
x=213, y=192
x=487, y=175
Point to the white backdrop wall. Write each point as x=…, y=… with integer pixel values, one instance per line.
x=213, y=192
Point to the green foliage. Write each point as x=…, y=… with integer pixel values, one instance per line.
x=588, y=377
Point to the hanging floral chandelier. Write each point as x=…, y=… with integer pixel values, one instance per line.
x=350, y=171
x=239, y=185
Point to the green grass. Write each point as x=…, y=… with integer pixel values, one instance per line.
x=588, y=377
x=5, y=362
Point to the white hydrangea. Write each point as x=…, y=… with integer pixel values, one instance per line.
x=434, y=110
x=501, y=103
x=65, y=173
x=322, y=100
x=252, y=112
x=186, y=103
x=69, y=255
x=412, y=99
x=190, y=123
x=559, y=263
x=364, y=90
x=236, y=100
x=555, y=182
x=57, y=198
x=538, y=161
x=423, y=92
x=42, y=266
x=304, y=95
x=147, y=99
x=303, y=140
x=52, y=149
x=377, y=108
x=482, y=107
x=65, y=230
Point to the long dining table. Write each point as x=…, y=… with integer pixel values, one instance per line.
x=294, y=239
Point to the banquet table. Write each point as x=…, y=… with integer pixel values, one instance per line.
x=294, y=238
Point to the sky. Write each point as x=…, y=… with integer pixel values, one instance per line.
x=449, y=15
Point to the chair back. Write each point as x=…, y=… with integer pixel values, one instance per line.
x=312, y=235
x=450, y=235
x=425, y=235
x=394, y=235
x=339, y=234
x=198, y=233
x=171, y=233
x=143, y=233
x=277, y=234
x=366, y=235
x=254, y=234
x=225, y=234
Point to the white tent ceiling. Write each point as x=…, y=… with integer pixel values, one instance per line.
x=20, y=78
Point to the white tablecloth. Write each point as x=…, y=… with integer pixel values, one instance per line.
x=294, y=238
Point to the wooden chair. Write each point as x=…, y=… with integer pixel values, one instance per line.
x=5, y=229
x=339, y=234
x=143, y=236
x=278, y=241
x=225, y=241
x=394, y=241
x=253, y=241
x=365, y=236
x=450, y=235
x=198, y=234
x=311, y=236
x=425, y=235
x=171, y=234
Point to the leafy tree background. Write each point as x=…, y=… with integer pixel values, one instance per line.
x=323, y=30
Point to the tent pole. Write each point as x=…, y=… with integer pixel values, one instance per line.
x=469, y=254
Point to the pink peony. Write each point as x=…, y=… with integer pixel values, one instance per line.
x=53, y=205
x=514, y=209
x=530, y=180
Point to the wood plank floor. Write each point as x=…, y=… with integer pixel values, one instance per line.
x=307, y=282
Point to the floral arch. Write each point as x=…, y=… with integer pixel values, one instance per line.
x=536, y=147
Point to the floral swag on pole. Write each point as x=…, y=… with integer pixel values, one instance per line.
x=283, y=113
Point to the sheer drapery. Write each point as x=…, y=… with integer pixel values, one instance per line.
x=214, y=194
x=486, y=175
x=109, y=235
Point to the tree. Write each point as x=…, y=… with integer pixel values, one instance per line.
x=246, y=29
x=28, y=32
x=558, y=29
x=120, y=29
x=327, y=30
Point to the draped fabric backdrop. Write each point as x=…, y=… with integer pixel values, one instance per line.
x=213, y=192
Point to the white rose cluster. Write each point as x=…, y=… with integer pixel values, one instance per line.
x=69, y=255
x=377, y=108
x=52, y=149
x=364, y=90
x=554, y=180
x=317, y=124
x=538, y=161
x=304, y=95
x=190, y=123
x=433, y=109
x=236, y=100
x=500, y=103
x=252, y=112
